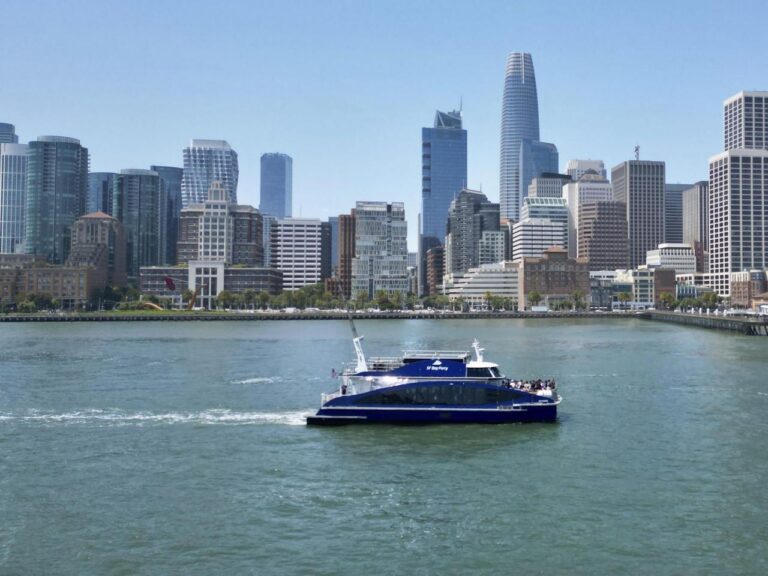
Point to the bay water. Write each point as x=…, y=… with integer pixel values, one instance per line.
x=180, y=448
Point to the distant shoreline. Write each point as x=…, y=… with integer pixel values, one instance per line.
x=171, y=316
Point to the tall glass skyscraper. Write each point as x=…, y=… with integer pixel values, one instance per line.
x=443, y=176
x=100, y=189
x=8, y=134
x=139, y=204
x=206, y=161
x=523, y=157
x=57, y=189
x=13, y=192
x=172, y=178
x=276, y=185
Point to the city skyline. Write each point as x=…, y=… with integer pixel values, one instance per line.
x=638, y=92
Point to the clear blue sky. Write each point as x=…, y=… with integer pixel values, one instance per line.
x=344, y=87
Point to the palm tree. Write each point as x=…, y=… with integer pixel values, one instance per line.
x=534, y=298
x=624, y=297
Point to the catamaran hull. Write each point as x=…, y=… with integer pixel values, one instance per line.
x=436, y=415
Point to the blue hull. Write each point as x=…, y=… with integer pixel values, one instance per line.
x=441, y=415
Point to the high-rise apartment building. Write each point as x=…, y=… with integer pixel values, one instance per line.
x=98, y=241
x=577, y=168
x=8, y=134
x=591, y=186
x=57, y=189
x=470, y=214
x=673, y=212
x=639, y=184
x=297, y=251
x=346, y=253
x=172, y=177
x=276, y=185
x=443, y=176
x=738, y=188
x=381, y=249
x=139, y=204
x=523, y=156
x=435, y=268
x=13, y=197
x=206, y=161
x=602, y=234
x=101, y=186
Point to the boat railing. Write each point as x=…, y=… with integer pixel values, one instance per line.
x=432, y=354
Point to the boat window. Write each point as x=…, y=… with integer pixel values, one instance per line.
x=477, y=372
x=495, y=372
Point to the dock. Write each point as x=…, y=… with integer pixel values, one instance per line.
x=749, y=326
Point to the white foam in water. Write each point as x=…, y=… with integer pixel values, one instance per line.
x=262, y=380
x=214, y=416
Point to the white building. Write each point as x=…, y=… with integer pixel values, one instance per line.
x=548, y=186
x=532, y=236
x=577, y=168
x=590, y=187
x=738, y=188
x=491, y=246
x=207, y=161
x=641, y=284
x=679, y=257
x=381, y=251
x=297, y=251
x=500, y=279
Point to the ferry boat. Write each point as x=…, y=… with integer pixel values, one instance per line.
x=426, y=387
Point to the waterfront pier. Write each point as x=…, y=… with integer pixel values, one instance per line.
x=745, y=325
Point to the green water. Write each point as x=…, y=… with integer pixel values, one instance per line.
x=179, y=448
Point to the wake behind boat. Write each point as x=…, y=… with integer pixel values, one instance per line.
x=434, y=386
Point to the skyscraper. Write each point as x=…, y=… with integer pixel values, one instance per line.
x=523, y=157
x=297, y=251
x=57, y=188
x=276, y=185
x=443, y=176
x=8, y=134
x=206, y=161
x=602, y=234
x=469, y=216
x=13, y=197
x=139, y=204
x=673, y=212
x=172, y=178
x=639, y=184
x=590, y=187
x=696, y=222
x=101, y=186
x=577, y=168
x=738, y=188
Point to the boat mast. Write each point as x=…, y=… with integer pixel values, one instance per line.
x=362, y=365
x=478, y=350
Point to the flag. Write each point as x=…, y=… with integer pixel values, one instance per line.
x=170, y=284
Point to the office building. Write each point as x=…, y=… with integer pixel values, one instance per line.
x=13, y=196
x=172, y=177
x=333, y=223
x=554, y=276
x=523, y=157
x=443, y=176
x=381, y=249
x=8, y=134
x=639, y=184
x=57, y=189
x=492, y=246
x=602, y=235
x=435, y=269
x=591, y=186
x=577, y=168
x=532, y=237
x=297, y=251
x=696, y=222
x=738, y=188
x=139, y=204
x=470, y=214
x=473, y=286
x=673, y=212
x=548, y=185
x=101, y=186
x=98, y=241
x=678, y=257
x=276, y=185
x=207, y=161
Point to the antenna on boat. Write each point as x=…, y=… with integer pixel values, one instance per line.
x=478, y=350
x=362, y=365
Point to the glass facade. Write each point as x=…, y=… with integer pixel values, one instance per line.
x=172, y=178
x=100, y=187
x=276, y=185
x=139, y=204
x=8, y=134
x=57, y=189
x=13, y=188
x=443, y=176
x=206, y=161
